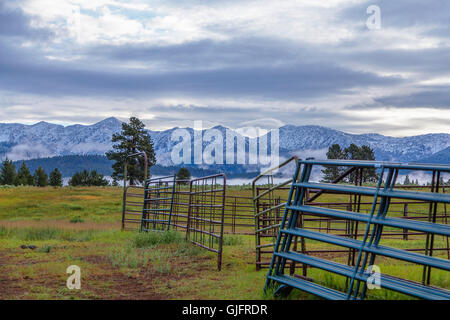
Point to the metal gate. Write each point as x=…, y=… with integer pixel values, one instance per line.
x=206, y=213
x=368, y=248
x=133, y=196
x=268, y=205
x=158, y=203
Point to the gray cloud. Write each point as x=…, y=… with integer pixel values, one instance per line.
x=228, y=116
x=27, y=151
x=434, y=97
x=263, y=69
x=245, y=68
x=207, y=53
x=425, y=61
x=15, y=23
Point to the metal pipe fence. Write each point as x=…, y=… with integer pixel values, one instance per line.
x=364, y=239
x=205, y=218
x=133, y=199
x=239, y=217
x=158, y=203
x=268, y=203
x=242, y=215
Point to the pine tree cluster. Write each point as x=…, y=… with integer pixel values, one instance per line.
x=88, y=179
x=23, y=177
x=352, y=152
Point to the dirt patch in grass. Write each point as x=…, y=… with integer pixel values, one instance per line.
x=119, y=285
x=10, y=288
x=17, y=283
x=106, y=283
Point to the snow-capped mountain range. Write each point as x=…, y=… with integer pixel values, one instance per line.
x=22, y=142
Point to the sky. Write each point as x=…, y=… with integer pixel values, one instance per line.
x=238, y=63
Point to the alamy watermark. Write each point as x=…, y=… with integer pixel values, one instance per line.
x=229, y=147
x=374, y=280
x=374, y=20
x=74, y=280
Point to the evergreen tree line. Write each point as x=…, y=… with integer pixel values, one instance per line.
x=409, y=182
x=88, y=179
x=352, y=152
x=23, y=176
x=40, y=178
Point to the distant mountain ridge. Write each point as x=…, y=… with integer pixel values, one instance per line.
x=42, y=140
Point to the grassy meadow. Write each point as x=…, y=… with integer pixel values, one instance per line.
x=81, y=226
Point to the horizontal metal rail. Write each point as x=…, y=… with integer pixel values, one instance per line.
x=380, y=250
x=380, y=164
x=368, y=191
x=366, y=249
x=430, y=227
x=389, y=282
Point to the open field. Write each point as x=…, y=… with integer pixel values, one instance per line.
x=112, y=266
x=81, y=226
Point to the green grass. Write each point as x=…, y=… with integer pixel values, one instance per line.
x=40, y=234
x=47, y=248
x=231, y=240
x=187, y=250
x=25, y=203
x=145, y=248
x=128, y=257
x=81, y=226
x=150, y=239
x=76, y=219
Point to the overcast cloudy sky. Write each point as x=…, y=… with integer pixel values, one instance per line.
x=234, y=62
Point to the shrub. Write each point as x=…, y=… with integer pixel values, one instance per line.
x=129, y=257
x=46, y=248
x=233, y=240
x=76, y=219
x=3, y=232
x=188, y=250
x=88, y=179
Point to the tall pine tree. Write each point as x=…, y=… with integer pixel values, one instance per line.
x=407, y=182
x=24, y=176
x=369, y=174
x=352, y=152
x=332, y=172
x=183, y=174
x=132, y=139
x=40, y=177
x=97, y=179
x=56, y=178
x=79, y=179
x=8, y=173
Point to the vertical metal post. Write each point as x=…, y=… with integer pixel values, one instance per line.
x=283, y=222
x=405, y=215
